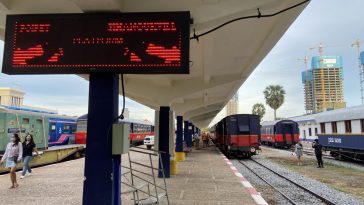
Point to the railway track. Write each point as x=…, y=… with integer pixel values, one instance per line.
x=293, y=192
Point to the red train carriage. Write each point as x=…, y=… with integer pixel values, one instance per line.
x=138, y=130
x=280, y=133
x=238, y=135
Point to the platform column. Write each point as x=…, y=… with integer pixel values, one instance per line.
x=102, y=111
x=180, y=155
x=186, y=134
x=164, y=141
x=190, y=133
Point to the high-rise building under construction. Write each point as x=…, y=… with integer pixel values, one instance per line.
x=323, y=84
x=232, y=105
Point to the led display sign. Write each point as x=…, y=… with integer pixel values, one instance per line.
x=135, y=43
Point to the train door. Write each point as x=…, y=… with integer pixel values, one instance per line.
x=25, y=124
x=291, y=132
x=285, y=130
x=3, y=135
x=39, y=136
x=52, y=132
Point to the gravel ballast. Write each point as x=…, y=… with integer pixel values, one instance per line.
x=323, y=190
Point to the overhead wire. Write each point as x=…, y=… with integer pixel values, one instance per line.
x=259, y=15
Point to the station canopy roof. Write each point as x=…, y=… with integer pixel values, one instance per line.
x=220, y=61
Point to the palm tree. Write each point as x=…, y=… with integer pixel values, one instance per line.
x=274, y=97
x=258, y=109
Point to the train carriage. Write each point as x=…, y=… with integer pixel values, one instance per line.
x=138, y=130
x=62, y=131
x=238, y=135
x=280, y=133
x=36, y=122
x=22, y=122
x=342, y=132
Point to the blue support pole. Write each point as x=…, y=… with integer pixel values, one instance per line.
x=102, y=111
x=164, y=142
x=190, y=133
x=186, y=134
x=116, y=179
x=179, y=134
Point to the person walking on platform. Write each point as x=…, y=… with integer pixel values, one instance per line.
x=13, y=154
x=197, y=141
x=28, y=148
x=299, y=152
x=318, y=152
x=205, y=139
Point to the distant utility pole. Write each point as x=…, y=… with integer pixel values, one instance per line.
x=320, y=48
x=305, y=60
x=357, y=44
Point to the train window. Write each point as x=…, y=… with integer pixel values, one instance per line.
x=309, y=132
x=53, y=127
x=323, y=130
x=25, y=120
x=81, y=126
x=362, y=125
x=66, y=128
x=334, y=127
x=347, y=126
x=244, y=128
x=73, y=128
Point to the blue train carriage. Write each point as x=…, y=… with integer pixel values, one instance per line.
x=342, y=132
x=23, y=121
x=62, y=130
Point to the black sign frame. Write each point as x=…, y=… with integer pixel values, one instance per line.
x=182, y=18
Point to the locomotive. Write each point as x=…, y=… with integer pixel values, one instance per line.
x=238, y=135
x=280, y=133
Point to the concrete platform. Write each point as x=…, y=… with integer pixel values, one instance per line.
x=204, y=178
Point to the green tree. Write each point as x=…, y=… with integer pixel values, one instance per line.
x=274, y=97
x=258, y=109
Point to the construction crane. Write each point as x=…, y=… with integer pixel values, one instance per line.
x=320, y=48
x=305, y=61
x=357, y=44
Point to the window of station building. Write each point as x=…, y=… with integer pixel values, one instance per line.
x=0, y=100
x=347, y=126
x=15, y=101
x=334, y=127
x=362, y=125
x=323, y=130
x=309, y=132
x=316, y=131
x=304, y=133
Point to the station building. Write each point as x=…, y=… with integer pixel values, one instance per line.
x=15, y=98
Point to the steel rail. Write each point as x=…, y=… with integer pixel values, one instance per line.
x=323, y=199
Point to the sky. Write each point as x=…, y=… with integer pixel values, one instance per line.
x=335, y=23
